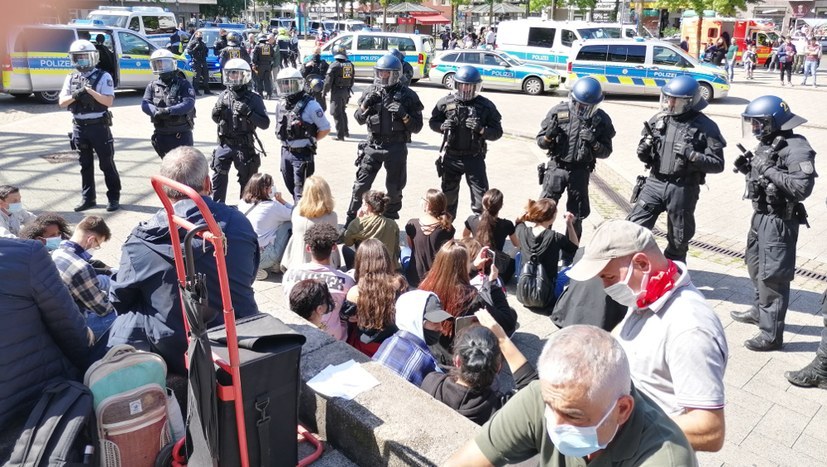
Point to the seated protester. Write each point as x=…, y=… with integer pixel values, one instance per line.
x=370, y=222
x=427, y=234
x=43, y=337
x=270, y=216
x=373, y=298
x=419, y=317
x=538, y=240
x=449, y=280
x=144, y=291
x=491, y=231
x=72, y=260
x=582, y=410
x=676, y=343
x=315, y=207
x=12, y=214
x=311, y=300
x=49, y=229
x=320, y=241
x=478, y=356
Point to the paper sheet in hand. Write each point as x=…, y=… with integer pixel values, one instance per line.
x=346, y=380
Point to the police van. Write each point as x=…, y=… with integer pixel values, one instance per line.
x=365, y=48
x=35, y=59
x=156, y=23
x=638, y=66
x=549, y=43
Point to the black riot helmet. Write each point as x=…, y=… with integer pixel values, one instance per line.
x=388, y=71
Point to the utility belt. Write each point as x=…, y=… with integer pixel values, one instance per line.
x=468, y=153
x=556, y=163
x=693, y=178
x=395, y=138
x=176, y=124
x=303, y=151
x=238, y=140
x=106, y=119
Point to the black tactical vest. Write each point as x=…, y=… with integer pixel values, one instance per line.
x=164, y=96
x=345, y=78
x=463, y=140
x=292, y=127
x=233, y=125
x=86, y=104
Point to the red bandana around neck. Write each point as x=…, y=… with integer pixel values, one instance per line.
x=658, y=285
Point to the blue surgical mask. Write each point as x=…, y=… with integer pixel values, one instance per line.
x=15, y=207
x=52, y=243
x=576, y=441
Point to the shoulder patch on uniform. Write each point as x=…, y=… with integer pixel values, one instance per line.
x=192, y=92
x=109, y=82
x=319, y=113
x=807, y=167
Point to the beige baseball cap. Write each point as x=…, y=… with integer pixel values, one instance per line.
x=612, y=239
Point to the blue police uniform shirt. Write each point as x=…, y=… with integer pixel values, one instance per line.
x=312, y=113
x=105, y=86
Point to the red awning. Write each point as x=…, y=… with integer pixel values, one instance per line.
x=432, y=19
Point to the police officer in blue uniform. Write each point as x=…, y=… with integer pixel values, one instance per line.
x=88, y=93
x=391, y=113
x=301, y=123
x=314, y=72
x=198, y=51
x=238, y=112
x=262, y=63
x=467, y=121
x=575, y=133
x=780, y=174
x=233, y=50
x=339, y=84
x=684, y=146
x=407, y=69
x=170, y=101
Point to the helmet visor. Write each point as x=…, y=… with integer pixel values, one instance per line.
x=236, y=77
x=84, y=60
x=672, y=105
x=756, y=126
x=289, y=86
x=581, y=110
x=467, y=91
x=163, y=65
x=386, y=77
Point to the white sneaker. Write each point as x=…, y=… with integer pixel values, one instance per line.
x=261, y=275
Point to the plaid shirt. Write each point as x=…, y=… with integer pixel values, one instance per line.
x=407, y=355
x=80, y=278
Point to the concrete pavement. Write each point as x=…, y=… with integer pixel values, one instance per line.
x=769, y=421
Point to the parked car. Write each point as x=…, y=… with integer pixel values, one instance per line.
x=365, y=48
x=498, y=69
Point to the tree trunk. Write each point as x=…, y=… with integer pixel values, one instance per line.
x=490, y=14
x=698, y=36
x=553, y=9
x=385, y=16
x=337, y=10
x=351, y=9
x=616, y=12
x=370, y=14
x=527, y=8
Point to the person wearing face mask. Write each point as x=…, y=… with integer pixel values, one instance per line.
x=314, y=72
x=676, y=343
x=170, y=101
x=72, y=259
x=12, y=214
x=419, y=318
x=198, y=50
x=583, y=410
x=49, y=229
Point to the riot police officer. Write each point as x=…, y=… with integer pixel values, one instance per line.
x=262, y=64
x=238, y=112
x=220, y=43
x=780, y=174
x=391, y=112
x=407, y=69
x=283, y=41
x=467, y=121
x=198, y=51
x=684, y=146
x=314, y=72
x=234, y=50
x=575, y=134
x=301, y=123
x=88, y=93
x=170, y=101
x=339, y=83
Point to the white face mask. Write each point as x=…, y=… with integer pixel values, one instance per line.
x=622, y=293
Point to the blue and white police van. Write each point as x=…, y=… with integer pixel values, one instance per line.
x=155, y=23
x=498, y=71
x=365, y=48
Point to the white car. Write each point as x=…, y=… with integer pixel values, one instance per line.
x=498, y=69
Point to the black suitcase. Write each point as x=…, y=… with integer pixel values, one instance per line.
x=269, y=352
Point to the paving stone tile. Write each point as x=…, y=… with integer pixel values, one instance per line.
x=782, y=424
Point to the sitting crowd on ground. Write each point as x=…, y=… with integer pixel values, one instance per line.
x=425, y=302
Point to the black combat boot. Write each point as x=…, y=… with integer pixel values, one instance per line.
x=748, y=316
x=813, y=375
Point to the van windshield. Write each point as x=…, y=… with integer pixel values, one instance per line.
x=602, y=32
x=109, y=20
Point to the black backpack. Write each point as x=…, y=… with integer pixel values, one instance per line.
x=58, y=429
x=535, y=289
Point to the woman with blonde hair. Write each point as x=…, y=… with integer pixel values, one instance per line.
x=427, y=234
x=315, y=207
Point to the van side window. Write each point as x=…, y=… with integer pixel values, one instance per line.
x=541, y=37
x=450, y=58
x=166, y=25
x=46, y=40
x=470, y=58
x=567, y=37
x=370, y=43
x=627, y=53
x=666, y=56
x=135, y=24
x=345, y=42
x=427, y=45
x=404, y=44
x=595, y=53
x=134, y=45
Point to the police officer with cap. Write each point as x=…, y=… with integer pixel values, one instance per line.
x=339, y=84
x=407, y=69
x=391, y=112
x=238, y=112
x=467, y=121
x=262, y=64
x=684, y=146
x=88, y=93
x=780, y=175
x=575, y=133
x=233, y=51
x=170, y=101
x=301, y=124
x=198, y=51
x=314, y=72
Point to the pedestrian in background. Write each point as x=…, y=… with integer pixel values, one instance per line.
x=786, y=54
x=812, y=57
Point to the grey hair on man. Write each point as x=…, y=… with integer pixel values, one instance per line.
x=586, y=355
x=188, y=166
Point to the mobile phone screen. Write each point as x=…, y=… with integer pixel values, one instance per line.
x=463, y=322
